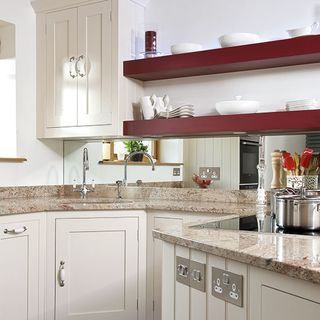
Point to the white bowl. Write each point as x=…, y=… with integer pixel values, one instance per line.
x=304, y=31
x=185, y=48
x=237, y=106
x=238, y=39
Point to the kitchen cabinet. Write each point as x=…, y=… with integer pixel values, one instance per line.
x=81, y=91
x=96, y=266
x=158, y=220
x=78, y=65
x=22, y=267
x=265, y=294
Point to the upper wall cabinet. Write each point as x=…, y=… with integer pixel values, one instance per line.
x=79, y=77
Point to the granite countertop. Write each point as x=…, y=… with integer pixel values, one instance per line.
x=41, y=204
x=294, y=255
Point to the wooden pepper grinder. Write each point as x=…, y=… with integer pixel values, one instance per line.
x=276, y=169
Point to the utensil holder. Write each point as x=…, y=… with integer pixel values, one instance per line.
x=309, y=182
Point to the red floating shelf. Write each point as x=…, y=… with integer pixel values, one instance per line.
x=239, y=124
x=280, y=53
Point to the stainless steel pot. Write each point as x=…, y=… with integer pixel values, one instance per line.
x=293, y=211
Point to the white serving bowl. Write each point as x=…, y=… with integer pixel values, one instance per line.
x=238, y=39
x=185, y=48
x=304, y=31
x=237, y=106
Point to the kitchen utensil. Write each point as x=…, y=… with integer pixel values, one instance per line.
x=298, y=213
x=288, y=163
x=238, y=39
x=297, y=162
x=305, y=160
x=185, y=48
x=304, y=31
x=237, y=106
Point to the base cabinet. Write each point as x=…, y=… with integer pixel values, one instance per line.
x=21, y=268
x=98, y=260
x=97, y=269
x=265, y=295
x=275, y=296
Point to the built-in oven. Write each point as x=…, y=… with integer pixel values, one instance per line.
x=249, y=159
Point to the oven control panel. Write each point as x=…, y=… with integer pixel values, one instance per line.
x=227, y=286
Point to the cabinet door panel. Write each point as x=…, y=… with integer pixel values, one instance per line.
x=61, y=87
x=19, y=270
x=101, y=269
x=278, y=305
x=94, y=40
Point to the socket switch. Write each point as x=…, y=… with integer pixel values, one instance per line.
x=176, y=172
x=209, y=173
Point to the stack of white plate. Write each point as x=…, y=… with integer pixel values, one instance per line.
x=305, y=104
x=178, y=112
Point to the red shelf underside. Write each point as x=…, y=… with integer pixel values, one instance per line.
x=257, y=123
x=281, y=53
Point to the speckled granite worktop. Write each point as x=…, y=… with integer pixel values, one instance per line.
x=31, y=205
x=19, y=200
x=294, y=255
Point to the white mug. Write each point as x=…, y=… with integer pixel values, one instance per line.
x=147, y=107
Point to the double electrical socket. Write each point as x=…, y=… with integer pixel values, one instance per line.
x=209, y=173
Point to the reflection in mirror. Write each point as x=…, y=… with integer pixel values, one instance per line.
x=7, y=90
x=232, y=160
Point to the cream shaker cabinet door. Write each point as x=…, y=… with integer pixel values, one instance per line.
x=97, y=269
x=94, y=64
x=19, y=271
x=61, y=73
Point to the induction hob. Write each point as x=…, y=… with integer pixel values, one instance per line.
x=250, y=224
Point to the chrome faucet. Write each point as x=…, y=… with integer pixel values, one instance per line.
x=125, y=180
x=84, y=189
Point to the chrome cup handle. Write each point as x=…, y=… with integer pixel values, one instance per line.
x=62, y=274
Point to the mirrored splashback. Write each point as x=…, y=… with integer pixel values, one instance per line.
x=230, y=161
x=7, y=89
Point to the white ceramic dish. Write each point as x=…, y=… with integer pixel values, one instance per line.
x=185, y=48
x=304, y=31
x=238, y=39
x=237, y=106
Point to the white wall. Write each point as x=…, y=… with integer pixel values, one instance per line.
x=45, y=163
x=203, y=22
x=73, y=151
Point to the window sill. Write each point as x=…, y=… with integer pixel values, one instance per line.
x=14, y=160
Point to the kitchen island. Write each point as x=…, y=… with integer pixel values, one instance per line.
x=241, y=274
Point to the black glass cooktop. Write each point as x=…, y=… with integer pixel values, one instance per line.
x=250, y=224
